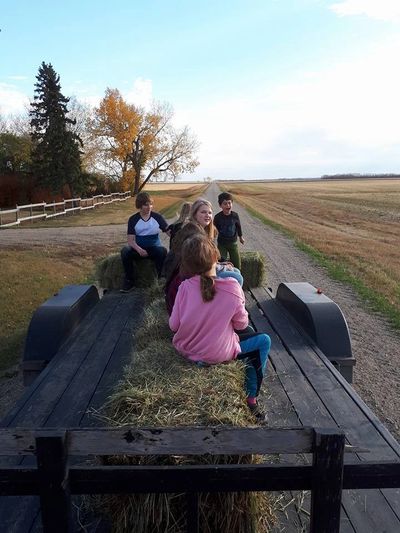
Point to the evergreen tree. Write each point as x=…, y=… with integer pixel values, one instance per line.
x=55, y=154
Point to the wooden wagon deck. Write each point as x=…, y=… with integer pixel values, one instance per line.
x=301, y=389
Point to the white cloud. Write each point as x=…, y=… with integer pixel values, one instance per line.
x=141, y=93
x=344, y=118
x=388, y=10
x=12, y=100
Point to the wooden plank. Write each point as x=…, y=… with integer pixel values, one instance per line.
x=122, y=355
x=192, y=441
x=45, y=390
x=74, y=401
x=327, y=482
x=360, y=430
x=55, y=501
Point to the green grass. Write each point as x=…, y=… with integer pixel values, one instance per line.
x=339, y=271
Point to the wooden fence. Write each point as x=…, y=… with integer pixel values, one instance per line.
x=54, y=479
x=43, y=210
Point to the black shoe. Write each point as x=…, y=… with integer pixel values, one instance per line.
x=258, y=413
x=127, y=286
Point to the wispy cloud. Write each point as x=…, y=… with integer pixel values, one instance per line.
x=17, y=78
x=339, y=118
x=12, y=100
x=388, y=10
x=141, y=94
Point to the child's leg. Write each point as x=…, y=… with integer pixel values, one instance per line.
x=231, y=274
x=234, y=256
x=157, y=254
x=223, y=251
x=255, y=349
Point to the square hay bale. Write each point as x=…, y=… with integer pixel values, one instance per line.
x=253, y=269
x=110, y=272
x=161, y=388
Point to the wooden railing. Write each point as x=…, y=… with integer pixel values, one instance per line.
x=54, y=480
x=44, y=210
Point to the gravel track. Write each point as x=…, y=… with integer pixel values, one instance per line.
x=375, y=345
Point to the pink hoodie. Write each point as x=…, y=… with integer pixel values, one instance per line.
x=204, y=331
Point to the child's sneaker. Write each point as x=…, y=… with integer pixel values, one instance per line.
x=258, y=413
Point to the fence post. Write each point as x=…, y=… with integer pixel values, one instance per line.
x=55, y=500
x=326, y=494
x=192, y=512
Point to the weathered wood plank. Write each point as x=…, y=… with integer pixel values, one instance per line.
x=327, y=482
x=361, y=429
x=37, y=402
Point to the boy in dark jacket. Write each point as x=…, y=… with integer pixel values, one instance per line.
x=229, y=229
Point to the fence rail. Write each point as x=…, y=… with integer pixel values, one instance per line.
x=44, y=210
x=55, y=480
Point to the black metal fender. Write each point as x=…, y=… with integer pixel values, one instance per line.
x=322, y=319
x=52, y=323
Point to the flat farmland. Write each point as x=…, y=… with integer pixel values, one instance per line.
x=352, y=227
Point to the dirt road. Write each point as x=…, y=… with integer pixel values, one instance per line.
x=375, y=346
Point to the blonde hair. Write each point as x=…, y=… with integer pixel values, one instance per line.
x=184, y=213
x=210, y=229
x=199, y=254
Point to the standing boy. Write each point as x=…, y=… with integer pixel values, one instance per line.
x=229, y=229
x=143, y=239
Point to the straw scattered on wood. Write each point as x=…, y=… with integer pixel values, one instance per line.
x=160, y=388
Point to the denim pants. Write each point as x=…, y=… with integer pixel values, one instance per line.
x=129, y=255
x=235, y=274
x=254, y=351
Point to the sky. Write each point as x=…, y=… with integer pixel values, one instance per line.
x=271, y=88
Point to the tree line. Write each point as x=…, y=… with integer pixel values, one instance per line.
x=62, y=141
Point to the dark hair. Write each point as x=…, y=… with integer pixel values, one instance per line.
x=142, y=199
x=224, y=196
x=199, y=254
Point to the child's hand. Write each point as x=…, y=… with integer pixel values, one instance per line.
x=241, y=240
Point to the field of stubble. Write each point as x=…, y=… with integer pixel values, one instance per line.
x=355, y=224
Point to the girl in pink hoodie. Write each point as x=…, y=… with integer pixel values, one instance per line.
x=205, y=314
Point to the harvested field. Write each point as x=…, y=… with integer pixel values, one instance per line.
x=355, y=223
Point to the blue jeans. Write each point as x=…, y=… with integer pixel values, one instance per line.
x=129, y=255
x=254, y=351
x=235, y=274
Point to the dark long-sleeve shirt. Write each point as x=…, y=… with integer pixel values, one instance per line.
x=228, y=226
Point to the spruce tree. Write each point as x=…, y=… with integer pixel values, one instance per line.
x=55, y=154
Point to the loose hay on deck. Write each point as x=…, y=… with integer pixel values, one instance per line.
x=161, y=388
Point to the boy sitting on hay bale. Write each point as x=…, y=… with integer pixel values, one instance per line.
x=206, y=313
x=143, y=239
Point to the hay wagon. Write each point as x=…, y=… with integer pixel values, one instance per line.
x=321, y=436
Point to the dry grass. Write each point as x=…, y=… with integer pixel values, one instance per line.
x=355, y=223
x=161, y=388
x=28, y=278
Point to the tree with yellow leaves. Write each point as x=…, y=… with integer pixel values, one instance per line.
x=139, y=145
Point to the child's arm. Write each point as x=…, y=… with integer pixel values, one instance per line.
x=174, y=319
x=239, y=230
x=240, y=319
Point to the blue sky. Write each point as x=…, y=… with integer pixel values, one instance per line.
x=271, y=88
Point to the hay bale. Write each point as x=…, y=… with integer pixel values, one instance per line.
x=161, y=388
x=110, y=272
x=253, y=269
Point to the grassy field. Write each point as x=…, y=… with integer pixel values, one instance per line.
x=29, y=276
x=351, y=227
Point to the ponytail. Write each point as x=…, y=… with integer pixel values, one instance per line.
x=207, y=287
